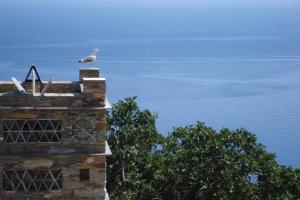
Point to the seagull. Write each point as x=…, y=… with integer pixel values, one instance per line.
x=91, y=58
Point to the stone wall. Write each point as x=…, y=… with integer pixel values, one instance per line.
x=72, y=186
x=93, y=119
x=76, y=142
x=90, y=93
x=54, y=87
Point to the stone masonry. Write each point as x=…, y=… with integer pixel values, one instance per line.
x=53, y=145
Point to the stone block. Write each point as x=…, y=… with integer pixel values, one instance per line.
x=89, y=73
x=98, y=176
x=100, y=125
x=96, y=160
x=98, y=193
x=39, y=163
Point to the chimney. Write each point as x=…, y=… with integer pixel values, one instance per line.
x=93, y=87
x=89, y=73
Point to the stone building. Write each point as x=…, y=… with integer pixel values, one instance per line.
x=52, y=138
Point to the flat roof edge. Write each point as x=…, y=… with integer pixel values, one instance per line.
x=55, y=108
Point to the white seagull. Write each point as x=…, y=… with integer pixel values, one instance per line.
x=91, y=58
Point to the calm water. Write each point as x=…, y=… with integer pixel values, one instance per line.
x=232, y=67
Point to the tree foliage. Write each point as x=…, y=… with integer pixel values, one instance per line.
x=192, y=162
x=133, y=139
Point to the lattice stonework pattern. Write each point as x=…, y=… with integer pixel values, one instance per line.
x=82, y=129
x=32, y=180
x=31, y=131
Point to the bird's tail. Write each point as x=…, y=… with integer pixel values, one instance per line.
x=79, y=61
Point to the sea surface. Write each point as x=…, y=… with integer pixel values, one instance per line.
x=228, y=67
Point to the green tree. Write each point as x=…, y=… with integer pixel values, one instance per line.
x=192, y=162
x=201, y=163
x=133, y=139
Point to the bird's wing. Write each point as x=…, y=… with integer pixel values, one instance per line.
x=89, y=59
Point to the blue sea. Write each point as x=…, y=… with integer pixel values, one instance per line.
x=229, y=66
